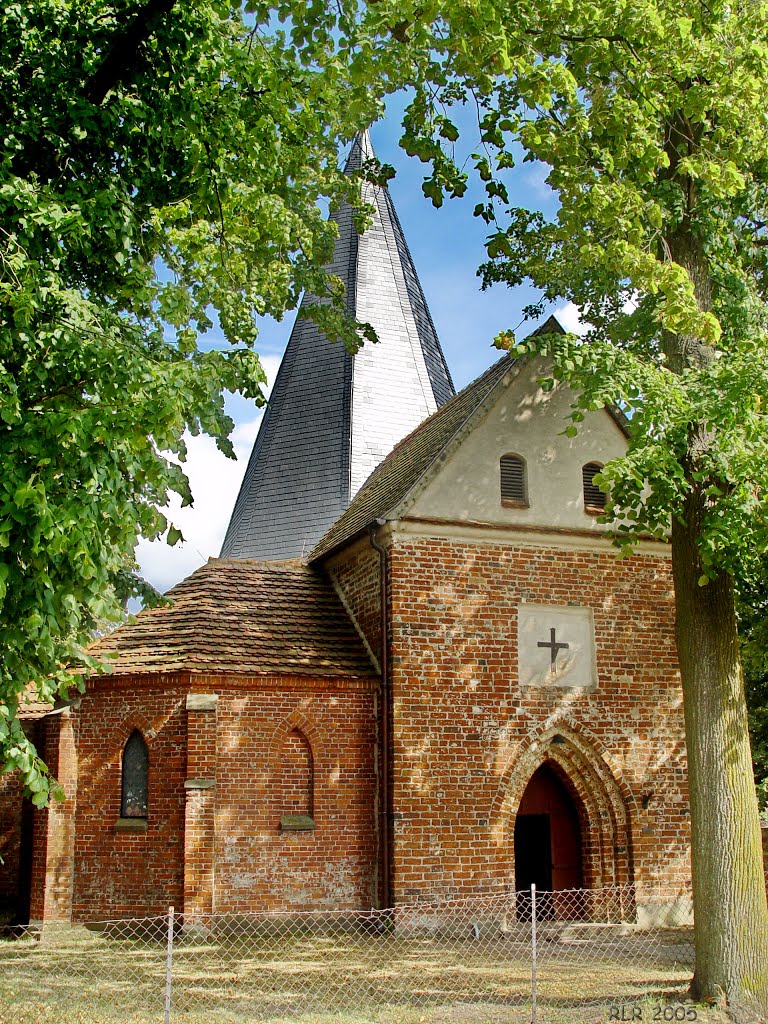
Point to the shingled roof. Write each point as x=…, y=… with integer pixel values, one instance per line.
x=243, y=617
x=332, y=417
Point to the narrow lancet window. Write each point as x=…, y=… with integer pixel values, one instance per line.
x=514, y=486
x=594, y=498
x=134, y=801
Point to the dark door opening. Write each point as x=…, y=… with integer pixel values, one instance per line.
x=533, y=862
x=548, y=847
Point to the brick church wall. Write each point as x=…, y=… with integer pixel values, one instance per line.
x=266, y=738
x=356, y=571
x=467, y=737
x=10, y=844
x=129, y=873
x=236, y=849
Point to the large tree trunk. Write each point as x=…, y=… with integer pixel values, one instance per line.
x=729, y=895
x=731, y=915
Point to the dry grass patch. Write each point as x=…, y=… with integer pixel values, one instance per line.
x=82, y=977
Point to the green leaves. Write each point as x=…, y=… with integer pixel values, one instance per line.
x=182, y=202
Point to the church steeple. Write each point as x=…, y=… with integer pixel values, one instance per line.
x=333, y=417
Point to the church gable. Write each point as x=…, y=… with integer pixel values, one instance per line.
x=450, y=467
x=512, y=465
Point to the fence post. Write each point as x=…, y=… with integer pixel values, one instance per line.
x=533, y=954
x=168, y=962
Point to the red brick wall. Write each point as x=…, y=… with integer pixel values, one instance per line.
x=257, y=865
x=468, y=738
x=357, y=573
x=296, y=775
x=118, y=873
x=238, y=846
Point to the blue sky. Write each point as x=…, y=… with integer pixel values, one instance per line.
x=447, y=247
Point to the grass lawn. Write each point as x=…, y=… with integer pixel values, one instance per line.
x=86, y=977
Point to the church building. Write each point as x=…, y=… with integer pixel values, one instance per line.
x=418, y=669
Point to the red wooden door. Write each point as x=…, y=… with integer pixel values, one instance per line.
x=545, y=794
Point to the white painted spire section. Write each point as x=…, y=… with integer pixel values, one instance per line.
x=385, y=406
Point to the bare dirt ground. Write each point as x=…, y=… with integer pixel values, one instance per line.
x=87, y=977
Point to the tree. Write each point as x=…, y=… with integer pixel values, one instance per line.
x=160, y=166
x=651, y=119
x=752, y=607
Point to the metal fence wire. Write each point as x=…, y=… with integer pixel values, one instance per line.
x=463, y=960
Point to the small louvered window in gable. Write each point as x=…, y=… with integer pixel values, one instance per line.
x=514, y=487
x=135, y=792
x=594, y=497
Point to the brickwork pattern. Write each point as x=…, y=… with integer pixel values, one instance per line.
x=200, y=807
x=468, y=738
x=296, y=774
x=357, y=574
x=54, y=827
x=10, y=844
x=258, y=866
x=119, y=873
x=216, y=798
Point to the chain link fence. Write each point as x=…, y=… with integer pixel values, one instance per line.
x=548, y=957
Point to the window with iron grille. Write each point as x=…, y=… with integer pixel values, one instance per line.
x=134, y=801
x=514, y=486
x=594, y=498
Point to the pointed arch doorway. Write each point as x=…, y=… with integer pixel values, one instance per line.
x=548, y=845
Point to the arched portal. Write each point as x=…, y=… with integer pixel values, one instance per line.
x=548, y=844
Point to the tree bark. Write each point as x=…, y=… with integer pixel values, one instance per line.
x=729, y=894
x=731, y=915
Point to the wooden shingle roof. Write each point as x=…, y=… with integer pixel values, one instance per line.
x=243, y=617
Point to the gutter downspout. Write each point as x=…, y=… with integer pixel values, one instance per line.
x=385, y=808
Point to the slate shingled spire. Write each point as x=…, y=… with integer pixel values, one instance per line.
x=333, y=417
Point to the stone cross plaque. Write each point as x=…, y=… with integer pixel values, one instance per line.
x=556, y=646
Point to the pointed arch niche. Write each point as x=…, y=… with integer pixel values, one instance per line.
x=567, y=791
x=297, y=778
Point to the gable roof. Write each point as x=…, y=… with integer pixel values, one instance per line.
x=389, y=486
x=243, y=617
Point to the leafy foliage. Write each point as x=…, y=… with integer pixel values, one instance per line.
x=160, y=170
x=650, y=119
x=753, y=625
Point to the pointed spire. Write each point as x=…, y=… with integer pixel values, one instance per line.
x=333, y=417
x=360, y=151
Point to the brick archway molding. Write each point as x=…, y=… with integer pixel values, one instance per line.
x=604, y=802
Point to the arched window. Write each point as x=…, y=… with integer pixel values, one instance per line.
x=296, y=782
x=514, y=485
x=594, y=498
x=135, y=777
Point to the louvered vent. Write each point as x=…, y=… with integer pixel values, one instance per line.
x=594, y=498
x=513, y=485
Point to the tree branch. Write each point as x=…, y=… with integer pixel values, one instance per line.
x=122, y=56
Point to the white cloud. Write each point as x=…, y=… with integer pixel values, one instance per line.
x=215, y=481
x=569, y=316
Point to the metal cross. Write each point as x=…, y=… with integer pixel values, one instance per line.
x=554, y=647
